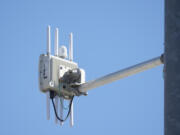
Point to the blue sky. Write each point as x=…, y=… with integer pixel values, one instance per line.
x=108, y=35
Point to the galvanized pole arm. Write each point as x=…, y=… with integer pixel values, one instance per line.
x=121, y=74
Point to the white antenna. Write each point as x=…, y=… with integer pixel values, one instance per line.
x=47, y=105
x=49, y=40
x=56, y=107
x=61, y=109
x=72, y=115
x=48, y=53
x=56, y=42
x=71, y=59
x=71, y=46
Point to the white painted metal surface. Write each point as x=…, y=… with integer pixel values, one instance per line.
x=121, y=74
x=83, y=76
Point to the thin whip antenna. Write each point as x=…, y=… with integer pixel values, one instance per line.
x=61, y=109
x=71, y=46
x=56, y=42
x=47, y=105
x=71, y=59
x=72, y=115
x=56, y=107
x=48, y=53
x=48, y=40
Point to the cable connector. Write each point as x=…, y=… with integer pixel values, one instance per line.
x=52, y=94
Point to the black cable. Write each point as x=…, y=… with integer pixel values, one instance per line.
x=70, y=104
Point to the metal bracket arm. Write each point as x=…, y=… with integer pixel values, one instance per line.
x=121, y=74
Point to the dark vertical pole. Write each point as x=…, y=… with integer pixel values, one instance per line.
x=172, y=68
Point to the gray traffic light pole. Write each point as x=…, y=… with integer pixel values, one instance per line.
x=172, y=68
